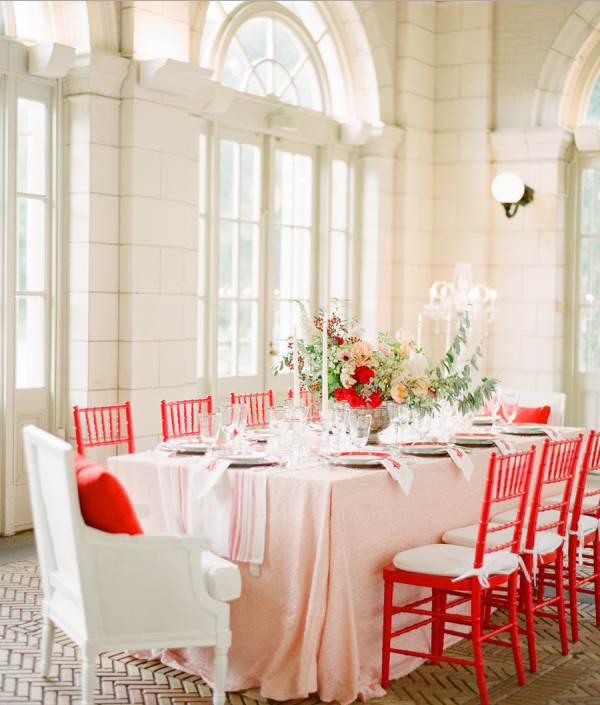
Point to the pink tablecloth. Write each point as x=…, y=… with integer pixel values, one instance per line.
x=311, y=622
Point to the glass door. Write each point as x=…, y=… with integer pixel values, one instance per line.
x=29, y=282
x=239, y=339
x=292, y=279
x=586, y=309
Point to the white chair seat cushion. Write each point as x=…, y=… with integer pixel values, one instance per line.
x=589, y=523
x=449, y=561
x=546, y=541
x=587, y=501
x=593, y=480
x=222, y=578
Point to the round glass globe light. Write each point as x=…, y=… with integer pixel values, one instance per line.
x=508, y=188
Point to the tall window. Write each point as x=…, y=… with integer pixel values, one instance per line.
x=239, y=215
x=31, y=277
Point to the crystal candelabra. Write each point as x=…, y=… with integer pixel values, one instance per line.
x=448, y=299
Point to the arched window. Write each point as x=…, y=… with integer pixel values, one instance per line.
x=266, y=58
x=33, y=21
x=286, y=50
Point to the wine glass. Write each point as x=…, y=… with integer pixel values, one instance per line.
x=360, y=428
x=494, y=403
x=229, y=414
x=393, y=411
x=210, y=425
x=510, y=406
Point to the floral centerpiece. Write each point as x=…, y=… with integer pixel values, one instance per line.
x=392, y=368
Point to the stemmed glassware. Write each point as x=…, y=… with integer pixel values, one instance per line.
x=234, y=419
x=494, y=403
x=340, y=422
x=210, y=425
x=510, y=406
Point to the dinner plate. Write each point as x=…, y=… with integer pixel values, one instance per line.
x=424, y=448
x=475, y=439
x=482, y=420
x=187, y=447
x=249, y=460
x=523, y=429
x=357, y=460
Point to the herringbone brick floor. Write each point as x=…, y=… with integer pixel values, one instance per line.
x=125, y=680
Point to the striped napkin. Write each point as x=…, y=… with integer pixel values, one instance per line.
x=400, y=473
x=462, y=461
x=504, y=445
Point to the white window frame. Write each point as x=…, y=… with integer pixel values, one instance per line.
x=15, y=84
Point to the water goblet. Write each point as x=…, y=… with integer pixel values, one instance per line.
x=210, y=425
x=229, y=414
x=360, y=428
x=494, y=403
x=510, y=406
x=393, y=411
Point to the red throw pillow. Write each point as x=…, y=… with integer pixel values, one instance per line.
x=103, y=501
x=533, y=414
x=526, y=414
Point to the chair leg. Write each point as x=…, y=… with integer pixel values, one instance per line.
x=476, y=618
x=513, y=616
x=526, y=592
x=596, y=550
x=435, y=626
x=88, y=678
x=487, y=611
x=46, y=650
x=572, y=578
x=220, y=673
x=562, y=612
x=387, y=630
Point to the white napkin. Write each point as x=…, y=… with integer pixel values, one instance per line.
x=462, y=461
x=399, y=473
x=504, y=445
x=552, y=433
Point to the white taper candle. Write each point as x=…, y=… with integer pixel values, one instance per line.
x=325, y=369
x=296, y=370
x=419, y=330
x=448, y=331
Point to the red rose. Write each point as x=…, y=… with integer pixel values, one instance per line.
x=431, y=393
x=340, y=394
x=363, y=374
x=340, y=340
x=354, y=399
x=375, y=400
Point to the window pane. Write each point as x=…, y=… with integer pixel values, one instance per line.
x=236, y=66
x=248, y=259
x=339, y=194
x=30, y=342
x=590, y=270
x=250, y=182
x=302, y=190
x=589, y=334
x=339, y=258
x=30, y=244
x=590, y=203
x=281, y=79
x=225, y=339
x=300, y=264
x=283, y=264
x=227, y=243
x=31, y=166
x=228, y=182
x=593, y=112
x=264, y=73
x=254, y=36
x=247, y=338
x=284, y=176
x=287, y=50
x=200, y=333
x=307, y=85
x=282, y=326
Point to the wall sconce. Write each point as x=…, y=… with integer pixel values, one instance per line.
x=511, y=191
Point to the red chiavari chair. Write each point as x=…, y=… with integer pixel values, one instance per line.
x=258, y=403
x=103, y=426
x=547, y=519
x=180, y=418
x=309, y=399
x=458, y=575
x=584, y=542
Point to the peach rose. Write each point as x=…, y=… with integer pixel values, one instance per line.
x=421, y=388
x=398, y=391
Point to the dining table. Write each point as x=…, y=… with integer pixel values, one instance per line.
x=309, y=619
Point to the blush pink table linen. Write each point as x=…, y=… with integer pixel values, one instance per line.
x=311, y=622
